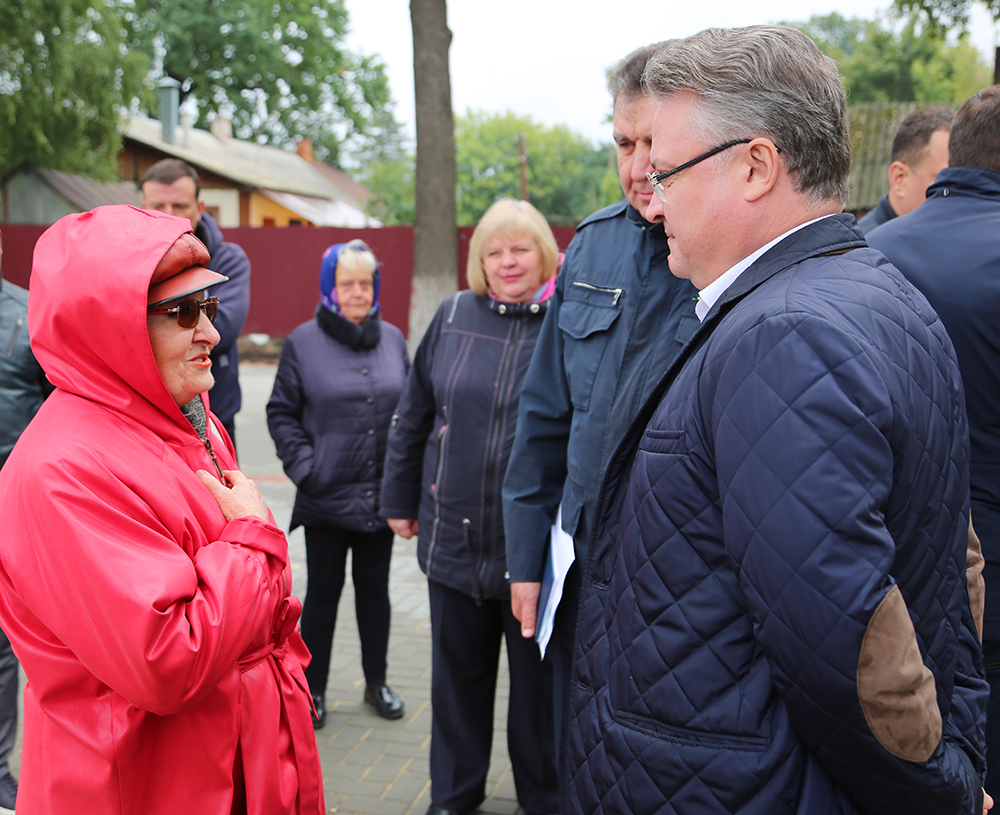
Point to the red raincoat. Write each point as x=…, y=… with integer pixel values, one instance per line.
x=159, y=641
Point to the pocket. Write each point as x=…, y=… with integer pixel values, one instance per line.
x=586, y=316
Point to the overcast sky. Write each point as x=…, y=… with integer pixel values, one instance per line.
x=547, y=58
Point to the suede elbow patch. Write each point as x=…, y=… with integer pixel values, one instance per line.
x=895, y=688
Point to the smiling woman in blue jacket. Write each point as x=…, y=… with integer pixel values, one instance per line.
x=448, y=451
x=338, y=381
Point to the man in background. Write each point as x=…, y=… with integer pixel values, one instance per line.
x=172, y=186
x=949, y=248
x=617, y=319
x=919, y=153
x=23, y=387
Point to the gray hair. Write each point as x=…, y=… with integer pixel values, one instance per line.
x=767, y=81
x=625, y=81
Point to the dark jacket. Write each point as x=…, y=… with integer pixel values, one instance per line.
x=949, y=248
x=615, y=322
x=23, y=385
x=780, y=549
x=234, y=305
x=451, y=440
x=336, y=388
x=883, y=213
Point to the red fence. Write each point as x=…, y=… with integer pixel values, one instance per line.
x=285, y=267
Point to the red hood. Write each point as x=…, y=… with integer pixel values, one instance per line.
x=87, y=309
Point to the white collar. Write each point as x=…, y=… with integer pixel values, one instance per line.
x=714, y=290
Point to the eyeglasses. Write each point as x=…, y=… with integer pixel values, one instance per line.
x=657, y=179
x=189, y=311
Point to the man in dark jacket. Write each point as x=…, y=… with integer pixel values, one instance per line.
x=23, y=387
x=780, y=542
x=919, y=153
x=950, y=250
x=173, y=186
x=616, y=321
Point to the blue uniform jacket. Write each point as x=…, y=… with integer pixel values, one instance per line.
x=617, y=319
x=949, y=248
x=883, y=213
x=779, y=553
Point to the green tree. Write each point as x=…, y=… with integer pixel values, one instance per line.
x=392, y=184
x=908, y=60
x=565, y=170
x=64, y=79
x=278, y=68
x=946, y=14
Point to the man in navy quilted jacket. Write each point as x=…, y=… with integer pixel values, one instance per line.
x=779, y=548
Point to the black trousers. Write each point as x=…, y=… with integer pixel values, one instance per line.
x=326, y=560
x=465, y=639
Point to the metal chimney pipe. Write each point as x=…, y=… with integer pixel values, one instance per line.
x=169, y=94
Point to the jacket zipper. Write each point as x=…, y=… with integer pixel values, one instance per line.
x=17, y=333
x=438, y=472
x=477, y=594
x=215, y=461
x=493, y=448
x=616, y=292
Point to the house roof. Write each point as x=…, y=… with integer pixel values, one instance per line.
x=322, y=211
x=253, y=165
x=86, y=193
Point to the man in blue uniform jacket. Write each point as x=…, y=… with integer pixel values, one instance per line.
x=616, y=320
x=949, y=248
x=779, y=546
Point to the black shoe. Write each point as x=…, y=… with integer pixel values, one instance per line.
x=434, y=809
x=386, y=702
x=320, y=718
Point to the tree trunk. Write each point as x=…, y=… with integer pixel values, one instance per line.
x=435, y=234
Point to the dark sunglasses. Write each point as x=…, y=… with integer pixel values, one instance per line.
x=189, y=311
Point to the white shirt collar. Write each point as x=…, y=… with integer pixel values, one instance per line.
x=714, y=290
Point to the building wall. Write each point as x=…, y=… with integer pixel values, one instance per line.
x=265, y=212
x=285, y=268
x=29, y=201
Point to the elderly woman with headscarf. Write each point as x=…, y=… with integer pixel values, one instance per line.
x=448, y=453
x=338, y=381
x=143, y=583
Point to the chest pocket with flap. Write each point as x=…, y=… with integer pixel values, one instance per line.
x=587, y=313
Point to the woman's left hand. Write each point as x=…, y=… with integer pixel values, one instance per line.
x=241, y=500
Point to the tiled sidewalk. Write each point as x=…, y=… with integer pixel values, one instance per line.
x=370, y=766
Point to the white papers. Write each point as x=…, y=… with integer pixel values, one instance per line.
x=560, y=558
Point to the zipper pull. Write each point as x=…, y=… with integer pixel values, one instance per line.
x=215, y=461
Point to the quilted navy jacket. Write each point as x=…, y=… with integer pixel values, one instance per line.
x=778, y=561
x=451, y=439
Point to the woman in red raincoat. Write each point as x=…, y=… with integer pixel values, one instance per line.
x=143, y=583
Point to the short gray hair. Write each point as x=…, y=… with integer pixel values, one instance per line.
x=767, y=81
x=625, y=81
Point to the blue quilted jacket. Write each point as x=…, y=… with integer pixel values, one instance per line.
x=776, y=618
